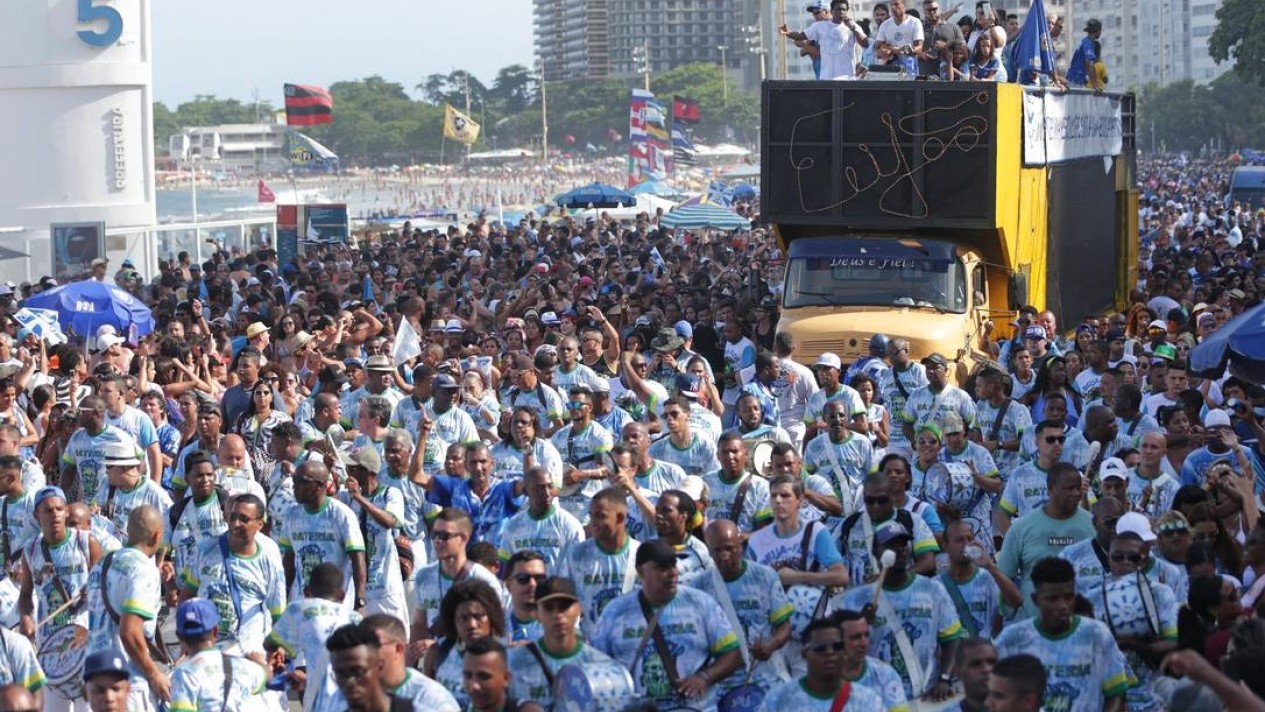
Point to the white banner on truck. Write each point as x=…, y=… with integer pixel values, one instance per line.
x=1061, y=127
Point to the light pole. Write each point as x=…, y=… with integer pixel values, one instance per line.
x=641, y=62
x=724, y=74
x=544, y=114
x=754, y=41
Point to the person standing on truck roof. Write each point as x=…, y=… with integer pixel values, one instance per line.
x=902, y=36
x=898, y=382
x=839, y=39
x=930, y=403
x=938, y=35
x=1083, y=71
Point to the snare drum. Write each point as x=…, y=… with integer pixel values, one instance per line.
x=62, y=662
x=743, y=698
x=9, y=614
x=593, y=687
x=1123, y=603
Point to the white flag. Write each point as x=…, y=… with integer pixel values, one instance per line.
x=407, y=343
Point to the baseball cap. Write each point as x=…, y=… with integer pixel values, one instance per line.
x=196, y=617
x=687, y=384
x=366, y=457
x=817, y=7
x=445, y=380
x=1135, y=523
x=935, y=360
x=1093, y=26
x=1115, y=335
x=1217, y=419
x=556, y=587
x=684, y=329
x=952, y=423
x=105, y=342
x=379, y=363
x=110, y=661
x=1158, y=324
x=829, y=360
x=331, y=374
x=1113, y=467
x=255, y=329
x=48, y=492
x=1034, y=332
x=351, y=363
x=100, y=262
x=655, y=551
x=889, y=531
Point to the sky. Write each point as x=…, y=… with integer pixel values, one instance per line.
x=230, y=48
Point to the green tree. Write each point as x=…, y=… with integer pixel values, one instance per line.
x=1240, y=36
x=451, y=88
x=514, y=89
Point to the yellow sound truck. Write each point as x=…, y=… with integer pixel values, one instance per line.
x=932, y=211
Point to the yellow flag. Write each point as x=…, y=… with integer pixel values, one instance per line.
x=459, y=127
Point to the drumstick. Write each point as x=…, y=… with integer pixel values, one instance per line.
x=58, y=611
x=888, y=558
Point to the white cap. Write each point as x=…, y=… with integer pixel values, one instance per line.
x=1113, y=467
x=108, y=340
x=694, y=486
x=1137, y=523
x=1217, y=418
x=829, y=359
x=454, y=327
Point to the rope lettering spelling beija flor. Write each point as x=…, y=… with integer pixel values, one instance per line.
x=964, y=135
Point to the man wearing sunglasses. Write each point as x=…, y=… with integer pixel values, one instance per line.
x=1089, y=557
x=1141, y=613
x=824, y=687
x=242, y=574
x=1026, y=490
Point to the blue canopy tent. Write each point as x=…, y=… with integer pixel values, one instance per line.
x=83, y=307
x=595, y=195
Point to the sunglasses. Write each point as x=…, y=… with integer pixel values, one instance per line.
x=878, y=501
x=1051, y=439
x=820, y=648
x=575, y=405
x=445, y=536
x=524, y=579
x=1132, y=557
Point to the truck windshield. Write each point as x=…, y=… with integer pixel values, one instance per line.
x=1251, y=198
x=868, y=273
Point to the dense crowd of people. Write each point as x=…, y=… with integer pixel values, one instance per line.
x=484, y=467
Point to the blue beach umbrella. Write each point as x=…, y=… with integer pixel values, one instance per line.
x=1239, y=344
x=83, y=307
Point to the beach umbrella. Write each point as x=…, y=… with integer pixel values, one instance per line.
x=42, y=323
x=83, y=307
x=695, y=217
x=654, y=187
x=744, y=191
x=1239, y=344
x=595, y=195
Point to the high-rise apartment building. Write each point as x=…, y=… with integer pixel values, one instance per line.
x=572, y=38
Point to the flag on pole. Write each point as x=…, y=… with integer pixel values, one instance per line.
x=407, y=343
x=265, y=194
x=308, y=105
x=459, y=127
x=685, y=109
x=1034, y=49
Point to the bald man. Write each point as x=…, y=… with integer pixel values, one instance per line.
x=124, y=601
x=1151, y=488
x=233, y=469
x=15, y=698
x=756, y=600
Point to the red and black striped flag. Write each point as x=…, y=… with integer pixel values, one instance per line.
x=685, y=109
x=308, y=105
